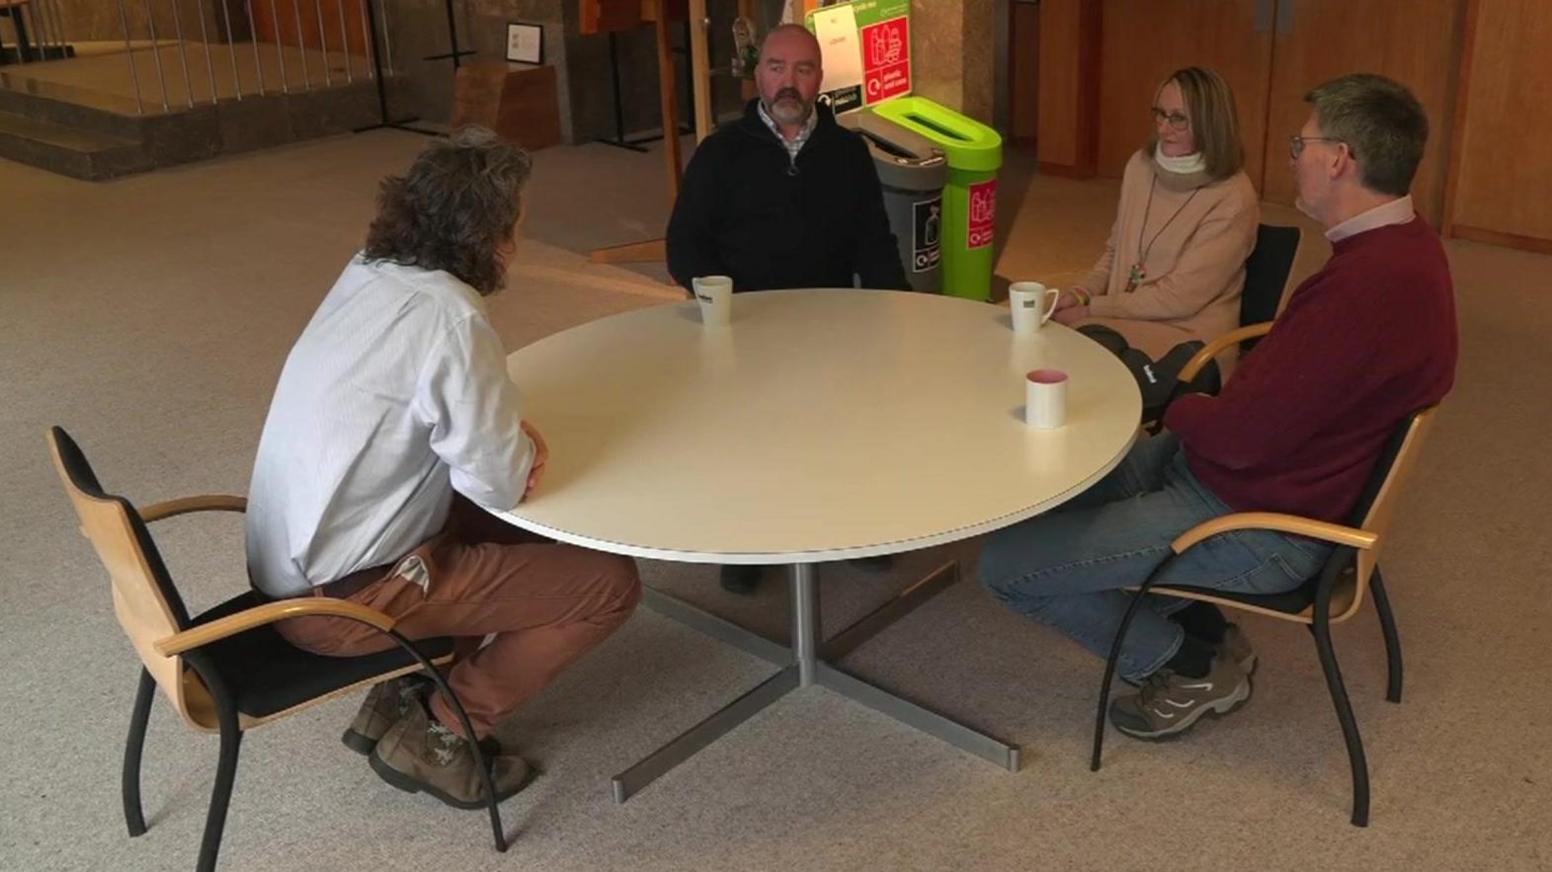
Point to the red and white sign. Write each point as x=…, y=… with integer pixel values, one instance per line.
x=982, y=214
x=886, y=59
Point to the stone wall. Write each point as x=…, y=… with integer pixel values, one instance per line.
x=953, y=43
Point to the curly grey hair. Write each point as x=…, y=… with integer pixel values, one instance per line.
x=454, y=209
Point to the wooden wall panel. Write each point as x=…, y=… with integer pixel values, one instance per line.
x=1502, y=165
x=1024, y=71
x=1069, y=93
x=277, y=24
x=1416, y=42
x=1145, y=40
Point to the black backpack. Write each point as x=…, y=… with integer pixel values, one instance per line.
x=1157, y=379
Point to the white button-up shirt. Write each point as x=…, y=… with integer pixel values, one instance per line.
x=395, y=395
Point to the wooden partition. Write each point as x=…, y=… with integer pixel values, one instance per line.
x=1145, y=41
x=277, y=24
x=1500, y=186
x=1415, y=42
x=1069, y=86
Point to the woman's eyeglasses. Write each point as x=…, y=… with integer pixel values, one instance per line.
x=1175, y=119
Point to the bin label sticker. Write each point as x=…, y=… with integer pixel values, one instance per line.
x=886, y=49
x=926, y=234
x=982, y=214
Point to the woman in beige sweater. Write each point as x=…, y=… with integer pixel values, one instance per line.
x=1174, y=266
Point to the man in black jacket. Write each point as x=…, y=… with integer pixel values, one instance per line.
x=784, y=198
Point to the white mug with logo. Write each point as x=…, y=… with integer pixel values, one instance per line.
x=715, y=295
x=1033, y=304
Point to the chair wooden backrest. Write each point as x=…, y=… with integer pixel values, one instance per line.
x=1366, y=533
x=144, y=599
x=1376, y=507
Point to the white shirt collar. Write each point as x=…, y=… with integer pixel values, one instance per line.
x=1398, y=211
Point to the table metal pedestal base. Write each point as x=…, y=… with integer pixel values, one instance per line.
x=807, y=663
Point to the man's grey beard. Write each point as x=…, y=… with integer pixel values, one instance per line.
x=792, y=110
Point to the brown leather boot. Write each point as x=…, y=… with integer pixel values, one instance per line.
x=385, y=703
x=418, y=754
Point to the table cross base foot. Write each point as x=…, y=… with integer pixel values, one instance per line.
x=803, y=664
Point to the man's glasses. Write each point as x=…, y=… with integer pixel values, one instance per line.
x=1175, y=119
x=1296, y=143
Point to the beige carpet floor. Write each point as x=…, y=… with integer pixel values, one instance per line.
x=150, y=316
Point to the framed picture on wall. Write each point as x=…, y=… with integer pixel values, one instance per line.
x=525, y=43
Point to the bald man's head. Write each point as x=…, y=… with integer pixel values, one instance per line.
x=789, y=74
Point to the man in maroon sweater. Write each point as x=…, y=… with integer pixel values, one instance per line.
x=1362, y=344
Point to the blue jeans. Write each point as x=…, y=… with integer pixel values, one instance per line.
x=1069, y=568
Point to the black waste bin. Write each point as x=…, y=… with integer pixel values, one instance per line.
x=913, y=172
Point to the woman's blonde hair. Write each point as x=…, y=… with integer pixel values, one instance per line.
x=1214, y=121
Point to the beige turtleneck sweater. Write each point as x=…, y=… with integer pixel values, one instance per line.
x=1195, y=268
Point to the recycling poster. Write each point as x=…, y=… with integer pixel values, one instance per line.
x=865, y=47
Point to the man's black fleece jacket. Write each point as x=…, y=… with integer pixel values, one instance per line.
x=747, y=211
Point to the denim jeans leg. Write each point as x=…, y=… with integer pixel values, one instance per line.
x=1069, y=569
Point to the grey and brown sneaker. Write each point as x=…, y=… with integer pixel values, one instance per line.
x=419, y=754
x=385, y=703
x=1236, y=648
x=1169, y=704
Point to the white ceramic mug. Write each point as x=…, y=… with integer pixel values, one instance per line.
x=1045, y=398
x=1033, y=304
x=715, y=295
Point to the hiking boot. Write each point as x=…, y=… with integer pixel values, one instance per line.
x=385, y=703
x=1236, y=648
x=419, y=754
x=1169, y=704
x=741, y=579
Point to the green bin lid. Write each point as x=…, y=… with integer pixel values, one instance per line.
x=969, y=144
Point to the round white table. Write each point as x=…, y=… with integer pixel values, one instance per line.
x=820, y=425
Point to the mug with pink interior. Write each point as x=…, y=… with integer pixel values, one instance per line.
x=1045, y=398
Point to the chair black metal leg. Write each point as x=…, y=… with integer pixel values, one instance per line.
x=138, y=718
x=1392, y=638
x=1115, y=655
x=221, y=793
x=468, y=729
x=1321, y=629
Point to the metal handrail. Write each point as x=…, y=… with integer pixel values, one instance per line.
x=48, y=30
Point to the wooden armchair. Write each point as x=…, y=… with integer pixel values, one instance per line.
x=226, y=670
x=1332, y=596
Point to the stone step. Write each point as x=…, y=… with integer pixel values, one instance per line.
x=73, y=107
x=70, y=151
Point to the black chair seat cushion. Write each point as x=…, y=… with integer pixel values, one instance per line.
x=266, y=674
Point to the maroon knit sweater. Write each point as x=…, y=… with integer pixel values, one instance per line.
x=1362, y=344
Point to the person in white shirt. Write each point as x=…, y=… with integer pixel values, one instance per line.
x=393, y=427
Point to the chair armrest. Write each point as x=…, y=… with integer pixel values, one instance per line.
x=201, y=503
x=1335, y=533
x=247, y=619
x=1216, y=347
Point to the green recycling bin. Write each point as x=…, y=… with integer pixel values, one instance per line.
x=969, y=199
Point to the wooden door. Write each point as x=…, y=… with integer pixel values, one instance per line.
x=1502, y=191
x=1144, y=40
x=1415, y=42
x=1023, y=70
